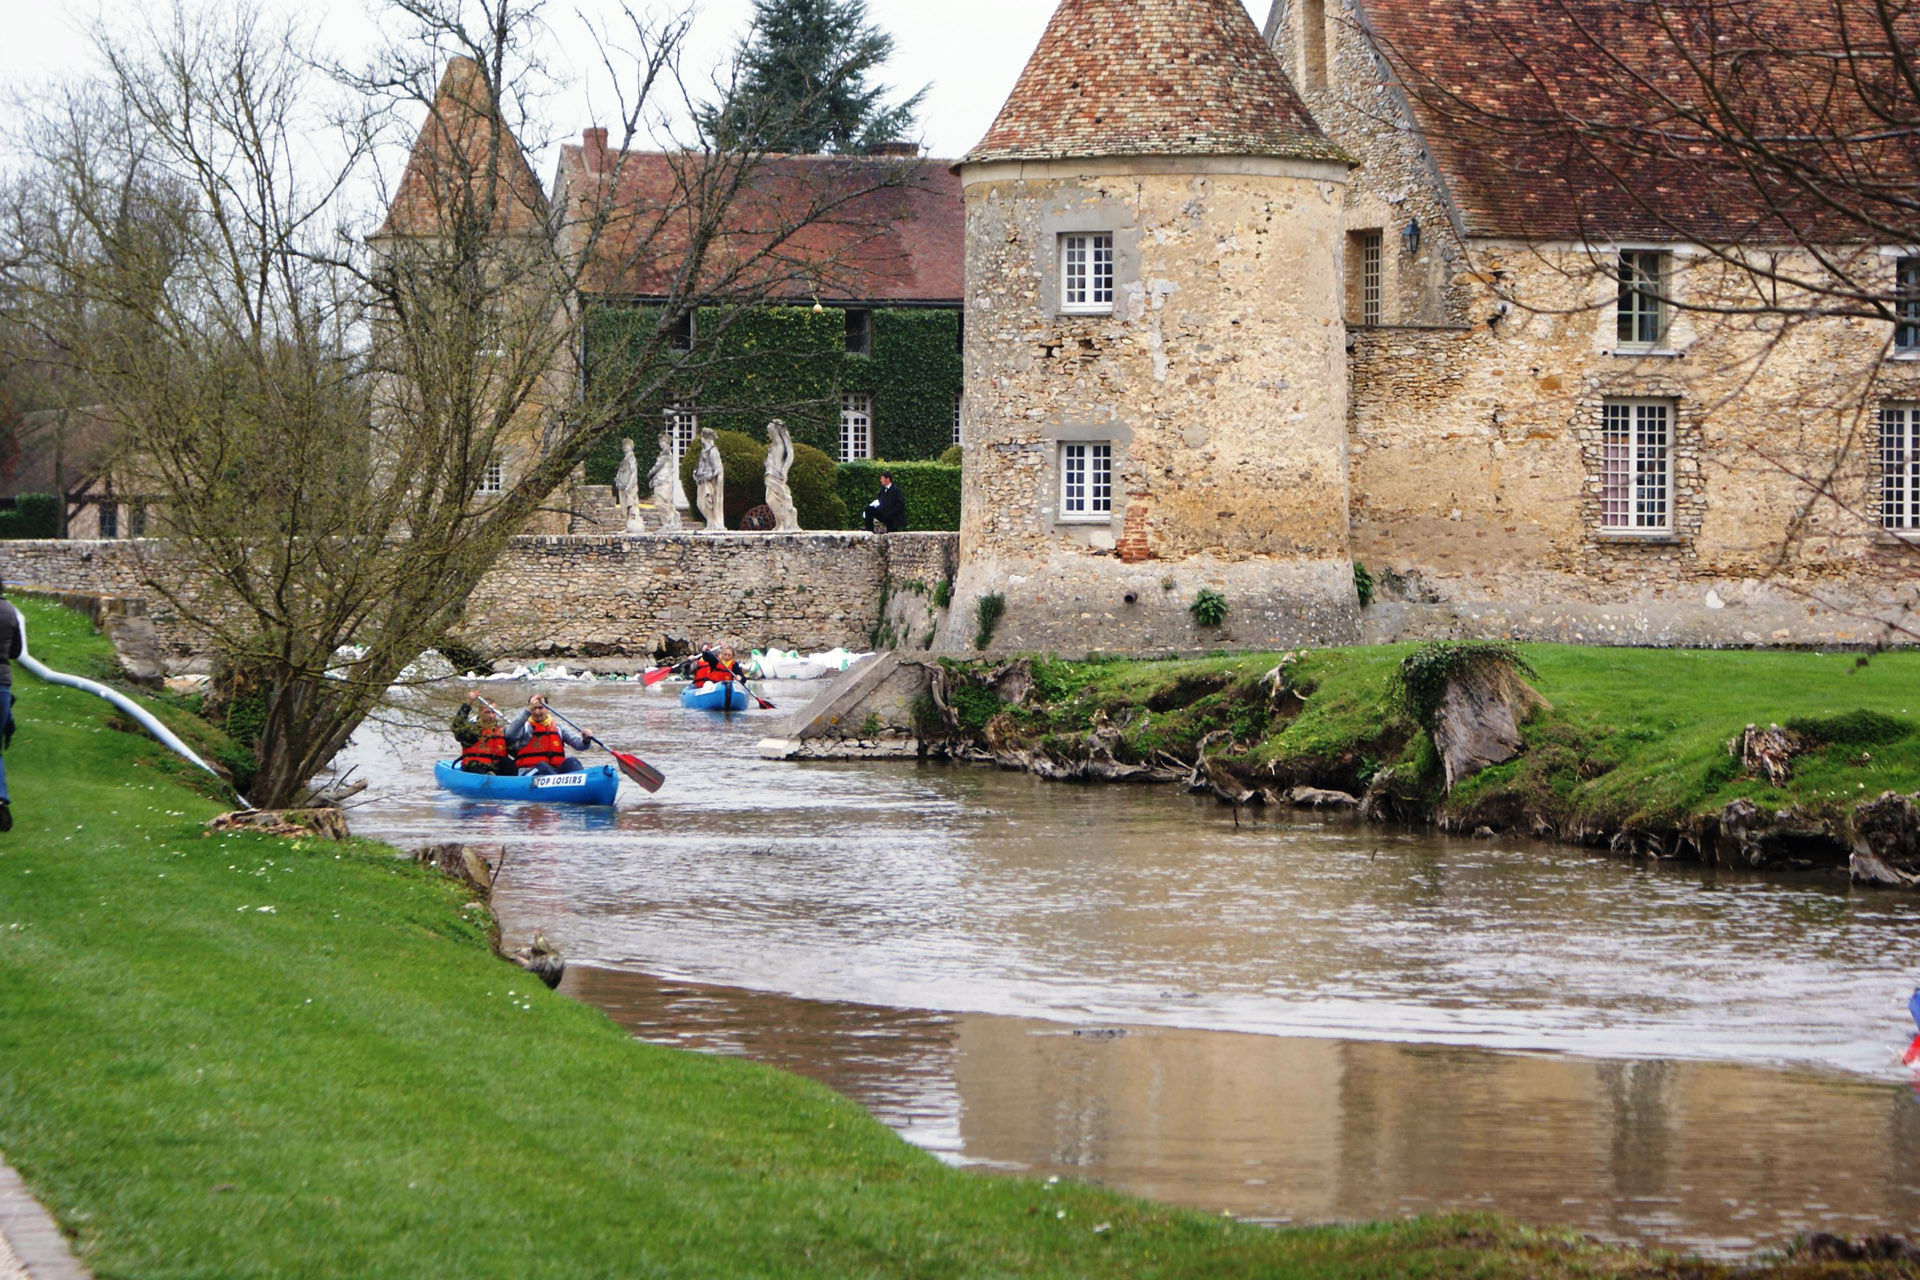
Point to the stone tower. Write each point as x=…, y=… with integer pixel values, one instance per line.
x=1156, y=385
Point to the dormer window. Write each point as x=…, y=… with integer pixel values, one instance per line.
x=1086, y=273
x=1643, y=299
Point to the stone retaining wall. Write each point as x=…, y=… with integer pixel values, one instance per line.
x=594, y=595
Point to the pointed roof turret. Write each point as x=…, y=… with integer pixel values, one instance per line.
x=466, y=160
x=1153, y=78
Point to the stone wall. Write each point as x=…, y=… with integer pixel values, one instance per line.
x=595, y=596
x=1476, y=464
x=1218, y=379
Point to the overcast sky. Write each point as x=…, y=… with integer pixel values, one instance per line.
x=969, y=52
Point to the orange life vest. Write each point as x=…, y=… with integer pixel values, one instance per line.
x=489, y=749
x=714, y=673
x=544, y=747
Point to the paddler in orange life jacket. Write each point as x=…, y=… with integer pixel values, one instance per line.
x=540, y=742
x=482, y=738
x=716, y=667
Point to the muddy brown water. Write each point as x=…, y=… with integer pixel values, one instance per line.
x=1294, y=1020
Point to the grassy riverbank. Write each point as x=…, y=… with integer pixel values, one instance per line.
x=234, y=1056
x=1634, y=737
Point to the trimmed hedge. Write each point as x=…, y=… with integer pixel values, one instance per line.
x=932, y=491
x=34, y=515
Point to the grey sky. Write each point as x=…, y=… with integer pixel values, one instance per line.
x=970, y=52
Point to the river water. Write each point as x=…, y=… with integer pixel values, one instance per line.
x=1287, y=1018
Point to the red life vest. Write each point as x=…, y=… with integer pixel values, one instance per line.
x=488, y=750
x=713, y=673
x=544, y=747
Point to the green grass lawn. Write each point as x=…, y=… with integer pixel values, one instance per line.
x=234, y=1056
x=1634, y=736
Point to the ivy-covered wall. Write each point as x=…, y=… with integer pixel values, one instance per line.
x=789, y=363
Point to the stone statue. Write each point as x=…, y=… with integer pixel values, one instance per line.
x=710, y=482
x=626, y=488
x=666, y=471
x=779, y=497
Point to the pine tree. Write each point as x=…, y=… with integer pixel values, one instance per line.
x=803, y=82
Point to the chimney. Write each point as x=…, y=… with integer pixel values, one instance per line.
x=896, y=149
x=594, y=149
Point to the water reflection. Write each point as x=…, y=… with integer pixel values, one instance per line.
x=1357, y=953
x=1695, y=1156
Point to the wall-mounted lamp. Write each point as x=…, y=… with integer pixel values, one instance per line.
x=818, y=309
x=1410, y=235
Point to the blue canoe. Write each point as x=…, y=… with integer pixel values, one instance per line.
x=724, y=695
x=598, y=785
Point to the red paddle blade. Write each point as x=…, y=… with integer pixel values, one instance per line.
x=655, y=676
x=638, y=771
x=1912, y=1055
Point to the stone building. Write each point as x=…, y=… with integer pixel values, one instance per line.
x=1243, y=313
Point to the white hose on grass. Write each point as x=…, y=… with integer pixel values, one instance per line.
x=146, y=719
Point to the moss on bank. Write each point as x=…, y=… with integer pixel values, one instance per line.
x=244, y=1057
x=1634, y=737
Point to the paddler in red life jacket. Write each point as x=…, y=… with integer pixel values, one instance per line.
x=540, y=742
x=716, y=667
x=482, y=738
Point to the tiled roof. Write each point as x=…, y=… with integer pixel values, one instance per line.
x=877, y=229
x=457, y=150
x=1546, y=119
x=1153, y=78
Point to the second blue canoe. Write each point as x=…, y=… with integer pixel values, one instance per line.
x=725, y=695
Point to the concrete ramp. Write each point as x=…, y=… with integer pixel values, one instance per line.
x=866, y=714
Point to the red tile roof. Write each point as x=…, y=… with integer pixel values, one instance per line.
x=1547, y=118
x=1153, y=78
x=877, y=229
x=461, y=144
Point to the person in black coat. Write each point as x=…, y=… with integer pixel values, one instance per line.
x=888, y=511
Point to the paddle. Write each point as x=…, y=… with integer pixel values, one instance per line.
x=638, y=771
x=764, y=704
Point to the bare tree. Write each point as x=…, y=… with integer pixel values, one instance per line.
x=325, y=410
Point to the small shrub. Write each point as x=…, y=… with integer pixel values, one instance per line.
x=1362, y=584
x=943, y=594
x=988, y=611
x=951, y=458
x=1852, y=729
x=816, y=500
x=34, y=515
x=973, y=705
x=1209, y=608
x=1421, y=681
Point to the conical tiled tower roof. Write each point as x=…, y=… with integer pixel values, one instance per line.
x=1153, y=78
x=458, y=167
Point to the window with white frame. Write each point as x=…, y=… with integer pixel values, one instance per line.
x=1900, y=467
x=493, y=477
x=856, y=427
x=1637, y=467
x=1086, y=272
x=1906, y=305
x=1086, y=481
x=959, y=398
x=1643, y=298
x=683, y=428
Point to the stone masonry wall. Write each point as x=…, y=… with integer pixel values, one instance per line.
x=598, y=595
x=1218, y=380
x=1477, y=462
